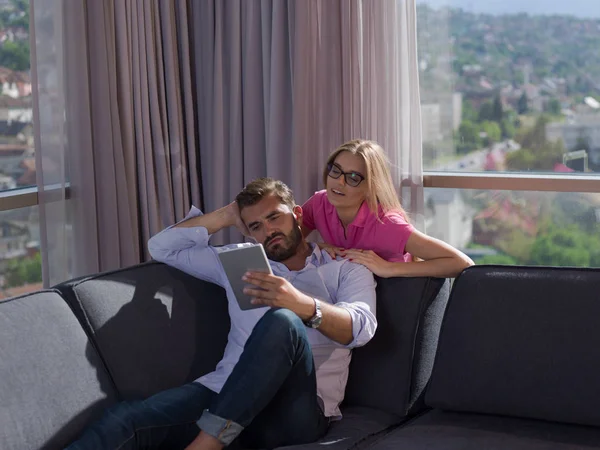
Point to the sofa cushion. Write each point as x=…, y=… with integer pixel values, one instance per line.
x=390, y=372
x=155, y=326
x=461, y=431
x=52, y=381
x=521, y=341
x=358, y=426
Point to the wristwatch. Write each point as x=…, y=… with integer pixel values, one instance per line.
x=315, y=321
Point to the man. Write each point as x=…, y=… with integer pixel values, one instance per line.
x=284, y=370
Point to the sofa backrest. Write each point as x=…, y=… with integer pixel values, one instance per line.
x=52, y=381
x=390, y=372
x=155, y=326
x=521, y=341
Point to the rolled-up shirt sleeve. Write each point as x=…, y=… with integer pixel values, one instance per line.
x=187, y=249
x=356, y=294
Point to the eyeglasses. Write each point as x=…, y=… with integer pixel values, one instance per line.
x=352, y=178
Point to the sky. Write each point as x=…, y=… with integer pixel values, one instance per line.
x=579, y=8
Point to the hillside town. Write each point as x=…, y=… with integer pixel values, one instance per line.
x=19, y=228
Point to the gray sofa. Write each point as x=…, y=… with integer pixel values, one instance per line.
x=517, y=362
x=68, y=353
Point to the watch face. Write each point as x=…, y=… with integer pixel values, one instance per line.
x=316, y=322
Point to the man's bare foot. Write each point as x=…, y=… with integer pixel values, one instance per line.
x=205, y=441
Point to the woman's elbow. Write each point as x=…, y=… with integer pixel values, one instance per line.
x=462, y=262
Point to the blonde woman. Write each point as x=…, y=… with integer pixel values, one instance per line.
x=359, y=216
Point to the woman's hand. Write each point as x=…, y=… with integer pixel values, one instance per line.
x=331, y=250
x=371, y=261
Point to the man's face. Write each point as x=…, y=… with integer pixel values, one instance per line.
x=274, y=226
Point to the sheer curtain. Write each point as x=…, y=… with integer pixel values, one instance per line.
x=115, y=126
x=282, y=83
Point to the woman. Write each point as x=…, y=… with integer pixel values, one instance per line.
x=360, y=218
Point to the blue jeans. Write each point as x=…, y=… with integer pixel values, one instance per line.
x=268, y=401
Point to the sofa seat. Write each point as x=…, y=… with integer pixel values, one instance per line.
x=452, y=430
x=359, y=425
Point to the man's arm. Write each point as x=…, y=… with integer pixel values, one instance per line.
x=350, y=322
x=356, y=295
x=185, y=244
x=227, y=216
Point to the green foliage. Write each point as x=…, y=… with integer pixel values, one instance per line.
x=582, y=143
x=522, y=104
x=508, y=129
x=468, y=112
x=493, y=132
x=15, y=55
x=486, y=112
x=536, y=152
x=467, y=137
x=554, y=107
x=566, y=246
x=24, y=271
x=498, y=259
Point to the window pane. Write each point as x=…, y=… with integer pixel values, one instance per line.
x=20, y=260
x=17, y=159
x=506, y=88
x=512, y=227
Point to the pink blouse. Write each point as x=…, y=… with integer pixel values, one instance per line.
x=387, y=237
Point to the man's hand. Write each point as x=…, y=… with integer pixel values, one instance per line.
x=278, y=292
x=235, y=219
x=227, y=216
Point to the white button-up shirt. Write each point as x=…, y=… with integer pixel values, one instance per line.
x=338, y=282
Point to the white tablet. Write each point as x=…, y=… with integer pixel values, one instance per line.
x=239, y=260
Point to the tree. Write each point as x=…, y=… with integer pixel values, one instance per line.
x=24, y=271
x=554, y=107
x=567, y=246
x=497, y=110
x=467, y=138
x=523, y=104
x=492, y=131
x=508, y=129
x=486, y=112
x=582, y=143
x=15, y=55
x=468, y=112
x=536, y=152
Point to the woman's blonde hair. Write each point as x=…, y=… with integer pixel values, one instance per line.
x=380, y=187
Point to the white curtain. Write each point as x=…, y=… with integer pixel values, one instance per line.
x=282, y=83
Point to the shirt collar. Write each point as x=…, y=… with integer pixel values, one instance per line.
x=316, y=257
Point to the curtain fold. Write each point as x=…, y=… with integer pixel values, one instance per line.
x=116, y=129
x=282, y=83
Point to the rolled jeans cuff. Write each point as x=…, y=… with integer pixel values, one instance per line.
x=222, y=429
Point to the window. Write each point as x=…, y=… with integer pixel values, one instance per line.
x=20, y=259
x=518, y=227
x=506, y=88
x=511, y=128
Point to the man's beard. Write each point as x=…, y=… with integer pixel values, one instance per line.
x=286, y=247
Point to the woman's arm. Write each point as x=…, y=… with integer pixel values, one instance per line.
x=439, y=259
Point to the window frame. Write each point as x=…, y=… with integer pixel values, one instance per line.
x=511, y=181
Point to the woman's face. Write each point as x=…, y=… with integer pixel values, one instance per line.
x=340, y=191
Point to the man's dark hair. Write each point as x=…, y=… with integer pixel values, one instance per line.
x=260, y=188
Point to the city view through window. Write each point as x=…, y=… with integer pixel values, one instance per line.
x=512, y=86
x=20, y=263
